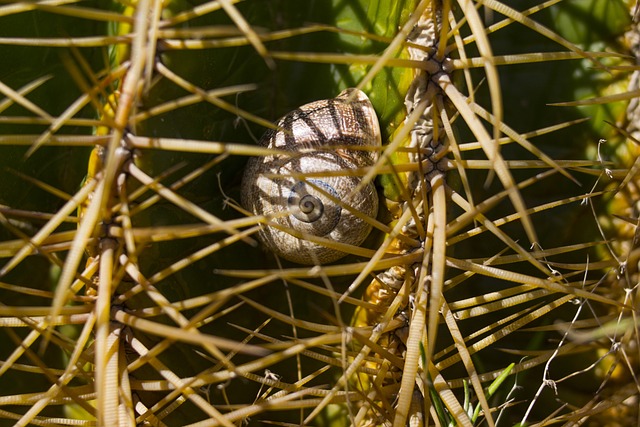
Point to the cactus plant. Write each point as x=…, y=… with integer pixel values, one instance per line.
x=134, y=287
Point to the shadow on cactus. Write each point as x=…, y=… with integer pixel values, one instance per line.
x=164, y=290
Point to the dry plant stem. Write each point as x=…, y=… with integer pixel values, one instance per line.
x=438, y=258
x=107, y=340
x=126, y=412
x=412, y=356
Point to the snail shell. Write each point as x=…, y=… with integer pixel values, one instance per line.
x=309, y=205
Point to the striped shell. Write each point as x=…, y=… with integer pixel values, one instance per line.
x=310, y=192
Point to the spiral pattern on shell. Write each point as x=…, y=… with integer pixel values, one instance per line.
x=323, y=203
